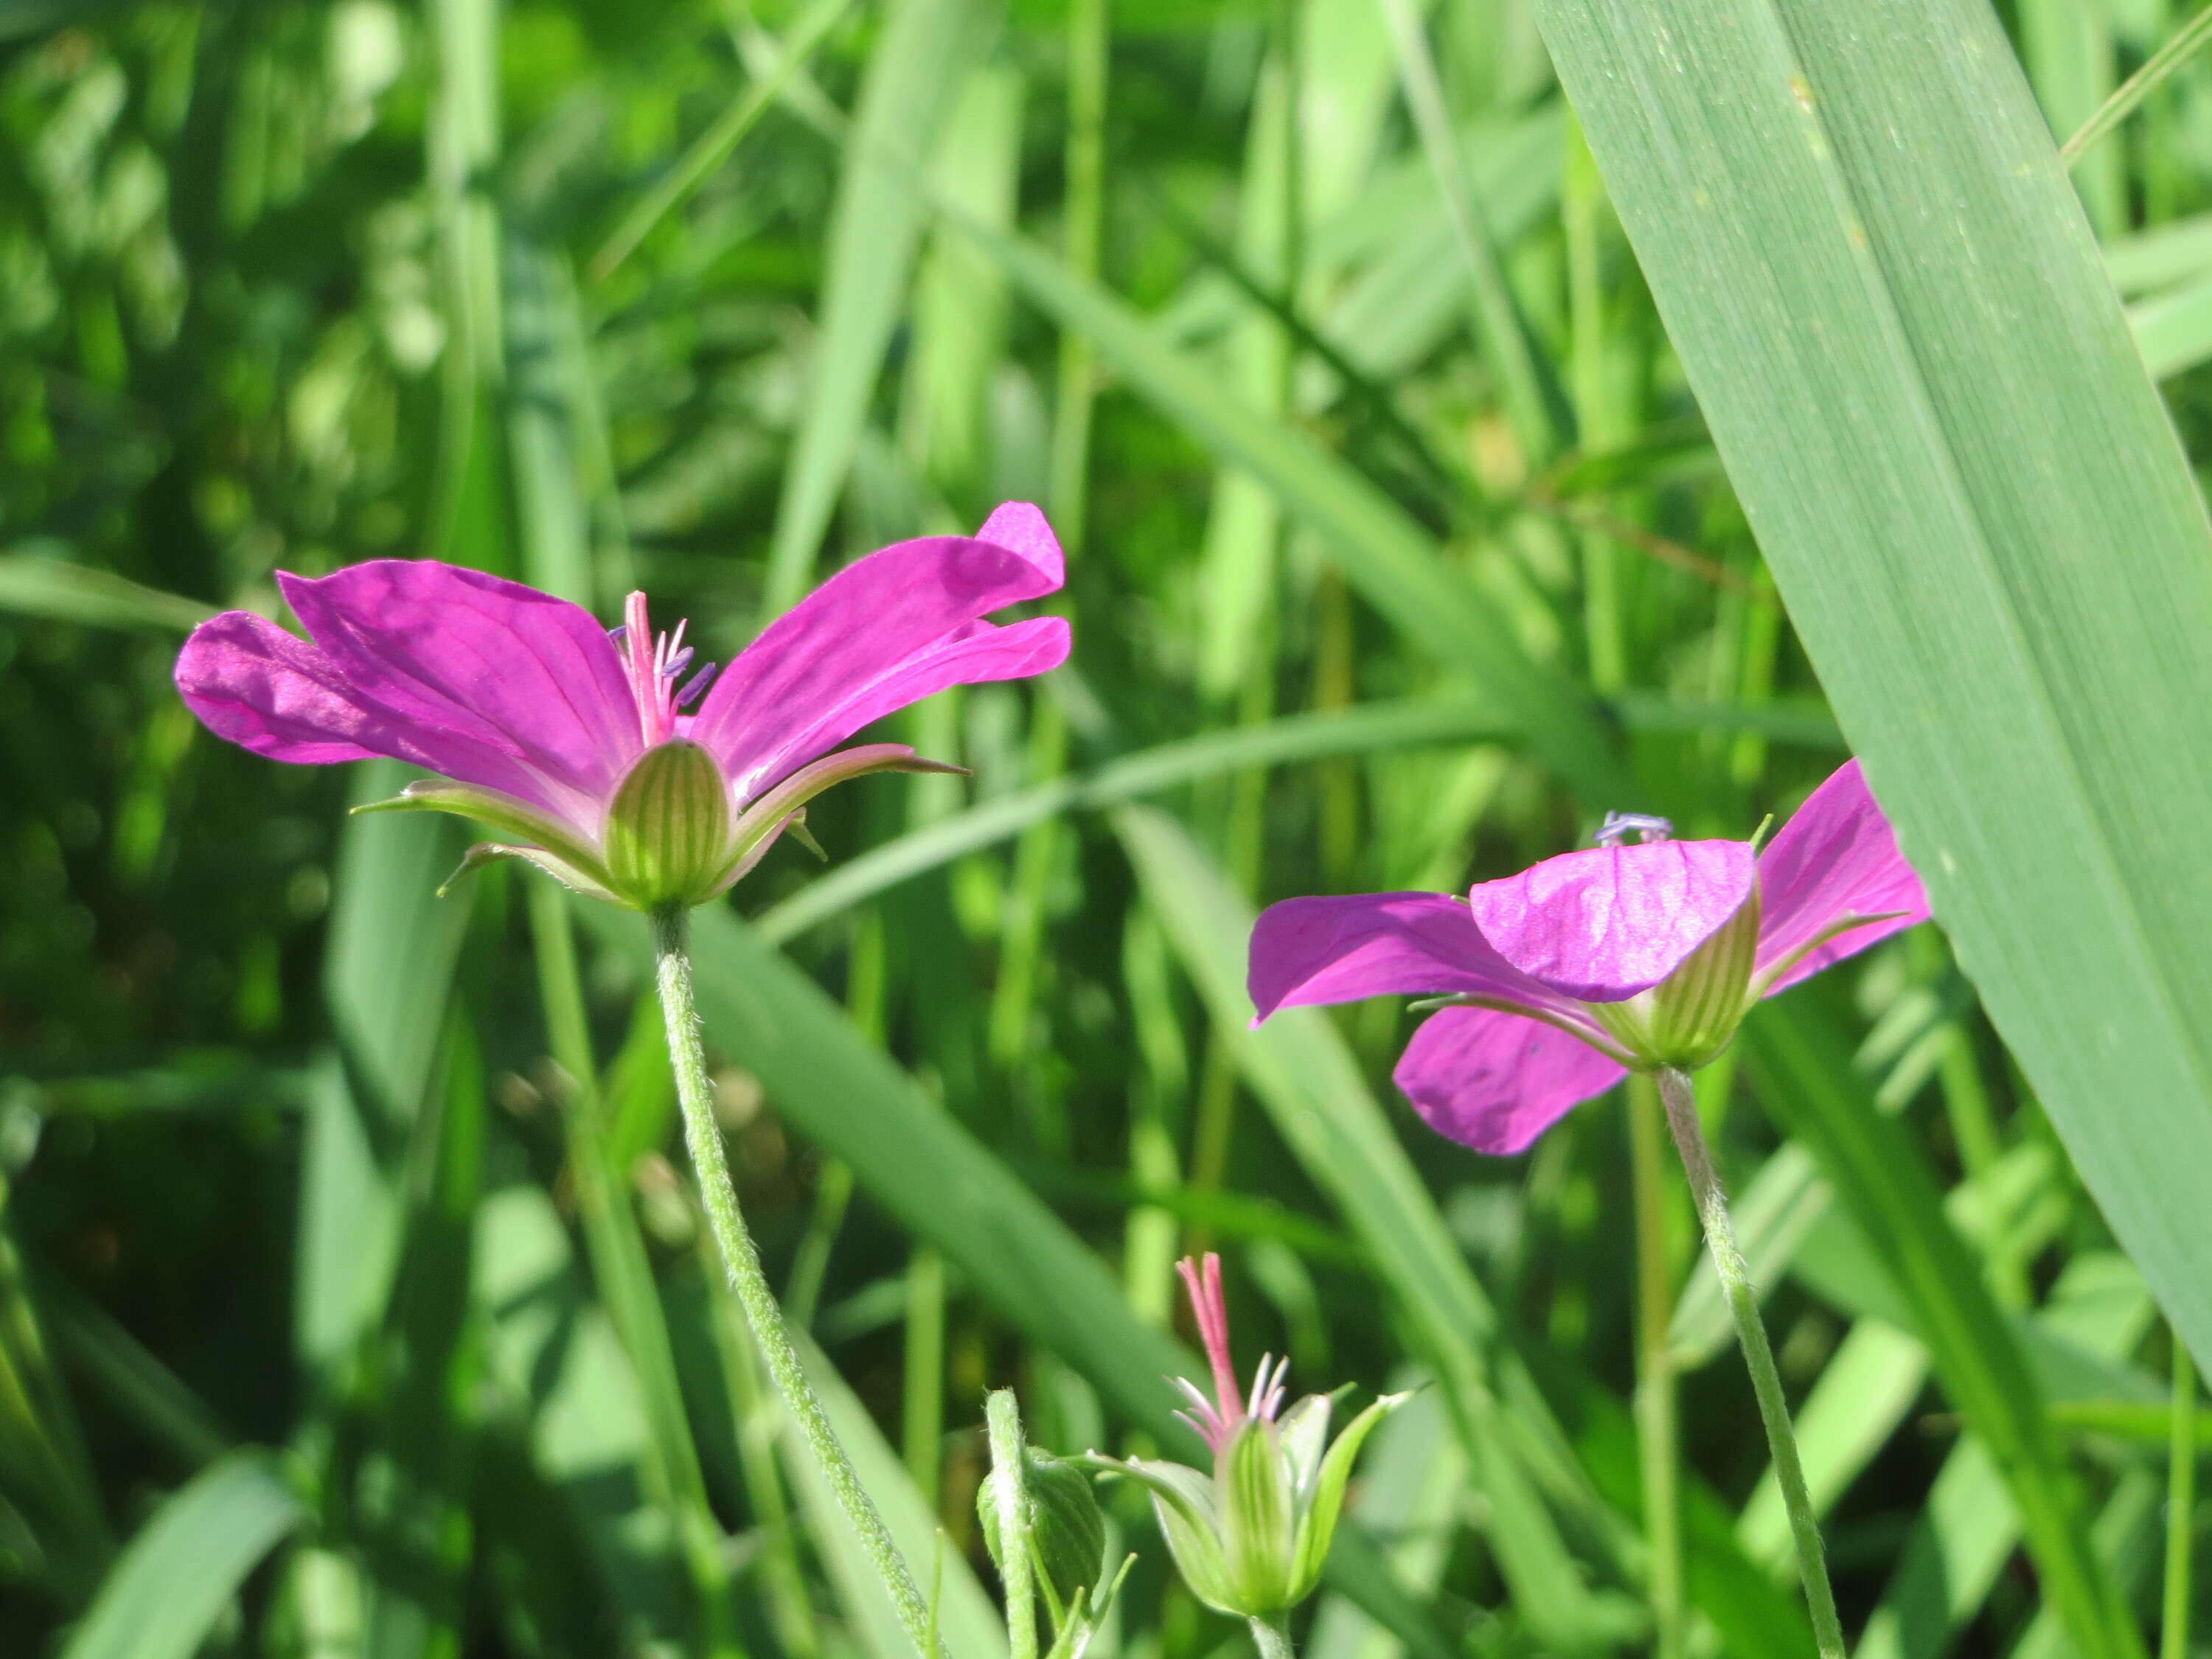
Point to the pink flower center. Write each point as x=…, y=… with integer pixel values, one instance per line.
x=654, y=673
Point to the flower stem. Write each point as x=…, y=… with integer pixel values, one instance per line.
x=1657, y=1434
x=1766, y=1382
x=1273, y=1638
x=672, y=968
x=2180, y=1506
x=1012, y=1495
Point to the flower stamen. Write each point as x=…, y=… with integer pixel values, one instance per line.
x=654, y=675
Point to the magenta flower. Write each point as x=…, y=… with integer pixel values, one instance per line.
x=575, y=740
x=1617, y=958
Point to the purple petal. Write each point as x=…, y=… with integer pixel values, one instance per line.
x=1495, y=1081
x=1310, y=951
x=1837, y=857
x=882, y=633
x=270, y=691
x=1603, y=924
x=470, y=657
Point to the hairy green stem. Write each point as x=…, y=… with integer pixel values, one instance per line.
x=703, y=1136
x=1657, y=1433
x=2180, y=1507
x=1766, y=1382
x=1273, y=1638
x=1011, y=1500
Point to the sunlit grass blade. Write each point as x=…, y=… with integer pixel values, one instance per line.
x=875, y=226
x=179, y=1571
x=39, y=580
x=1384, y=553
x=1976, y=510
x=1293, y=738
x=712, y=147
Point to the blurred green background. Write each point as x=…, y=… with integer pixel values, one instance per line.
x=349, y=1302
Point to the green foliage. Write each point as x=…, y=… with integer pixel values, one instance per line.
x=353, y=1299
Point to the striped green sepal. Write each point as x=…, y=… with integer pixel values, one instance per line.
x=668, y=832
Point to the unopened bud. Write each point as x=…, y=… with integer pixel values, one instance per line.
x=1067, y=1533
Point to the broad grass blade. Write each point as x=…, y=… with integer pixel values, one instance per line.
x=1892, y=310
x=175, y=1577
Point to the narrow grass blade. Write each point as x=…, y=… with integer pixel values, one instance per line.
x=712, y=147
x=2184, y=44
x=1975, y=508
x=874, y=227
x=1882, y=1177
x=176, y=1576
x=1384, y=553
x=1298, y=737
x=39, y=579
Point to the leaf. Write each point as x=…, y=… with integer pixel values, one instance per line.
x=177, y=1574
x=1890, y=308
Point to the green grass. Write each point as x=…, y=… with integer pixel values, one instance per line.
x=1441, y=466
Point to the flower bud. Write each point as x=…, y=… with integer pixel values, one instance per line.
x=1067, y=1533
x=668, y=827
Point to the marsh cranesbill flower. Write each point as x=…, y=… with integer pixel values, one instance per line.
x=606, y=756
x=1250, y=1535
x=1617, y=958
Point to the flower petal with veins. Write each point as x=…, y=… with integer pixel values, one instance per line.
x=1607, y=922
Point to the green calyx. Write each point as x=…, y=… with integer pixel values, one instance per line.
x=1687, y=1018
x=667, y=834
x=1251, y=1540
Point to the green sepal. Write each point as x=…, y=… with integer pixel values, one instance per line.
x=490, y=852
x=494, y=812
x=1322, y=1505
x=1182, y=1501
x=780, y=811
x=668, y=829
x=1255, y=1495
x=1696, y=1009
x=1850, y=922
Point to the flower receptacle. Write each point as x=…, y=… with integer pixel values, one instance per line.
x=668, y=829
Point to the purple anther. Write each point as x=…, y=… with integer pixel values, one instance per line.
x=1643, y=825
x=693, y=689
x=618, y=633
x=677, y=664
